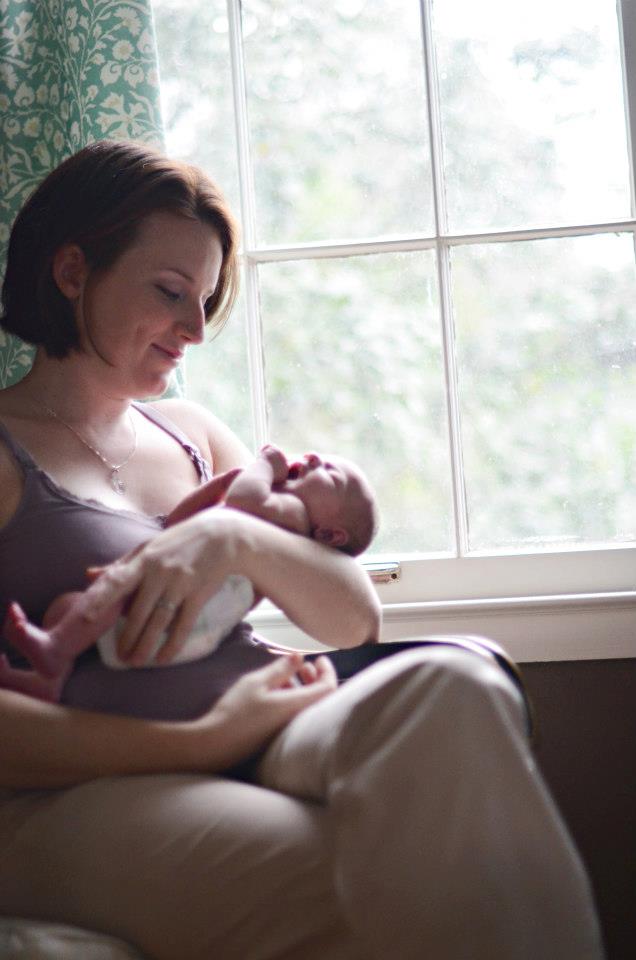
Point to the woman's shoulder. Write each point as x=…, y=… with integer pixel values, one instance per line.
x=215, y=440
x=184, y=413
x=11, y=483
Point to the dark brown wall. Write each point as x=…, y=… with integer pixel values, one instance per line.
x=586, y=747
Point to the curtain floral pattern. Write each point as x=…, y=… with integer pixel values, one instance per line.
x=71, y=72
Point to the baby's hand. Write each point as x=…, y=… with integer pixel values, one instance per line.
x=277, y=461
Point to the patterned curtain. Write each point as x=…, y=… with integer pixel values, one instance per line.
x=71, y=72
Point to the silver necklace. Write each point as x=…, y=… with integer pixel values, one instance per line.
x=116, y=481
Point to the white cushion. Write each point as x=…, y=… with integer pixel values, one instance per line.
x=38, y=940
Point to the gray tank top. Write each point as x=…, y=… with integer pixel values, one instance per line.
x=45, y=549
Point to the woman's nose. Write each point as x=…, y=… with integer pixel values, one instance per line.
x=193, y=326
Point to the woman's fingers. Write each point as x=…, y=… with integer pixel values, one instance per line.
x=292, y=666
x=326, y=670
x=146, y=625
x=282, y=670
x=180, y=629
x=162, y=615
x=315, y=682
x=113, y=584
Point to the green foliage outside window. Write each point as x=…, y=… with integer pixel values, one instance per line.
x=543, y=331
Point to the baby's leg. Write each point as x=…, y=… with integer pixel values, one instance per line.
x=50, y=651
x=32, y=642
x=59, y=607
x=31, y=683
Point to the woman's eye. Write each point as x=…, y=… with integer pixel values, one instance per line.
x=172, y=295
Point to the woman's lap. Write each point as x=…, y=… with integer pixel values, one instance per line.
x=196, y=867
x=187, y=867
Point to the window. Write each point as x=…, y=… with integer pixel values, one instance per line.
x=438, y=227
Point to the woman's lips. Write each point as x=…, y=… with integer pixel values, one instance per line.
x=174, y=355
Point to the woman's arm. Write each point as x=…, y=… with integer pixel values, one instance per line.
x=326, y=593
x=46, y=746
x=323, y=591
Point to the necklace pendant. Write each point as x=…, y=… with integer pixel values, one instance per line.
x=117, y=483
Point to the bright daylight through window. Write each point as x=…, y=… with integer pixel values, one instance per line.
x=436, y=207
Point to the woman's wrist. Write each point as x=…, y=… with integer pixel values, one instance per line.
x=204, y=745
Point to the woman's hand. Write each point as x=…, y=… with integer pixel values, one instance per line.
x=257, y=707
x=168, y=581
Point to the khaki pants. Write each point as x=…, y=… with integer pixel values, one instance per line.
x=400, y=818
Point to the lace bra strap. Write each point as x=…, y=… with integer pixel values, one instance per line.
x=200, y=463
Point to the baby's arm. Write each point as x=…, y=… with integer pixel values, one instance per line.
x=207, y=495
x=252, y=492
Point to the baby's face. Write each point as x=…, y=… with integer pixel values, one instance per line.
x=323, y=485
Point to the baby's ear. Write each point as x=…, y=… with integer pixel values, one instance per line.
x=331, y=536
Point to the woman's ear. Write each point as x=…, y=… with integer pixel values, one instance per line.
x=331, y=536
x=70, y=270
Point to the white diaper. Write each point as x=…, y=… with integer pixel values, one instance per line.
x=220, y=614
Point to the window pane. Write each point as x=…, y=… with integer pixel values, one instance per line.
x=196, y=87
x=547, y=374
x=217, y=375
x=353, y=369
x=337, y=118
x=532, y=111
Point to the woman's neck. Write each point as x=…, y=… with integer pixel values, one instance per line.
x=69, y=389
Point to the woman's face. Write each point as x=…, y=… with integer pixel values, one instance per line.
x=138, y=317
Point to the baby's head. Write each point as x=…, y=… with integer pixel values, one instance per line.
x=340, y=503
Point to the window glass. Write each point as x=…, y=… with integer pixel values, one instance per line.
x=533, y=135
x=217, y=375
x=547, y=376
x=353, y=367
x=532, y=113
x=337, y=119
x=196, y=87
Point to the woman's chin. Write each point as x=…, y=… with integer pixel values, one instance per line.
x=154, y=386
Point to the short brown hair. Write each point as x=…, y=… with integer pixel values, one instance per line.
x=98, y=199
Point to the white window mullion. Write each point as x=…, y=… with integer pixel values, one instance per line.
x=626, y=10
x=460, y=512
x=323, y=250
x=256, y=366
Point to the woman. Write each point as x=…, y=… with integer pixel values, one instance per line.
x=398, y=816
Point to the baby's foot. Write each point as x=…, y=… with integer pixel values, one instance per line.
x=29, y=682
x=32, y=642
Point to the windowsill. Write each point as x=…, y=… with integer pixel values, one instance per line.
x=591, y=626
x=581, y=569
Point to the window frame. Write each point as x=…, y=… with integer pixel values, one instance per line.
x=578, y=592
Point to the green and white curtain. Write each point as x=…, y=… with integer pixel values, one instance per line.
x=71, y=72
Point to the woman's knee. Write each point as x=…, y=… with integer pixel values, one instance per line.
x=432, y=687
x=466, y=681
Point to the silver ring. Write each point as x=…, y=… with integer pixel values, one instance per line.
x=163, y=604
